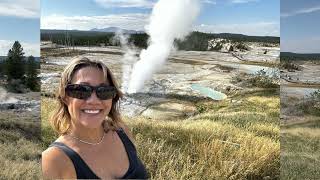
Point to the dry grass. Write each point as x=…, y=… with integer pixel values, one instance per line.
x=19, y=145
x=226, y=141
x=300, y=150
x=204, y=149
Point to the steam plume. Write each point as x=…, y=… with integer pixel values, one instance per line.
x=128, y=59
x=170, y=19
x=5, y=98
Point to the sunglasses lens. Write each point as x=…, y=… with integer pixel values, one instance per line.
x=106, y=92
x=78, y=91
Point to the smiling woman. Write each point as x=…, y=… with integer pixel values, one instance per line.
x=94, y=143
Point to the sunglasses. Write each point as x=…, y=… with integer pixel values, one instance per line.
x=82, y=91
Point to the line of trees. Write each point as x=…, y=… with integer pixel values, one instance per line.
x=88, y=38
x=19, y=72
x=289, y=56
x=196, y=41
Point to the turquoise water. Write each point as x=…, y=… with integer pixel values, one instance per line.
x=215, y=95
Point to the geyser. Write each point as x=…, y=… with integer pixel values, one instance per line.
x=169, y=20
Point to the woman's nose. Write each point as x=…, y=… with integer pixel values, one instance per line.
x=93, y=98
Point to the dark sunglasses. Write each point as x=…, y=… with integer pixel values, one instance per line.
x=82, y=91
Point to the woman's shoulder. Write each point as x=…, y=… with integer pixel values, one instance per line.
x=56, y=164
x=126, y=130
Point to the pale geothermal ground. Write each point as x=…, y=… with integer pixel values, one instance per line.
x=20, y=135
x=174, y=125
x=296, y=88
x=300, y=122
x=173, y=81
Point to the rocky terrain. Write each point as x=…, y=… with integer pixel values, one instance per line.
x=296, y=89
x=25, y=103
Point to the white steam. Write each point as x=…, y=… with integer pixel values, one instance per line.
x=5, y=98
x=170, y=19
x=128, y=59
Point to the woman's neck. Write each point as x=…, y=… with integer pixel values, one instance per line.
x=91, y=135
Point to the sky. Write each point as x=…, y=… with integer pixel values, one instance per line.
x=250, y=17
x=20, y=21
x=300, y=27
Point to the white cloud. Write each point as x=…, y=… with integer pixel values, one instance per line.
x=243, y=1
x=20, y=8
x=258, y=28
x=138, y=21
x=29, y=48
x=209, y=2
x=301, y=11
x=136, y=3
x=125, y=3
x=125, y=21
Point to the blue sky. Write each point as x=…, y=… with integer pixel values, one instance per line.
x=20, y=20
x=251, y=17
x=300, y=28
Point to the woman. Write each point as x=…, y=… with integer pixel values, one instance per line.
x=93, y=141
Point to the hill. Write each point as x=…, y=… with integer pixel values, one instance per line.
x=116, y=29
x=299, y=56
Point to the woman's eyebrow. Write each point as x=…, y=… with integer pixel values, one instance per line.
x=86, y=83
x=105, y=83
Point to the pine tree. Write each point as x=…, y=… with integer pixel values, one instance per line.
x=1, y=68
x=15, y=62
x=32, y=81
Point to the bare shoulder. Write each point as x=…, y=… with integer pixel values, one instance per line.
x=127, y=131
x=56, y=164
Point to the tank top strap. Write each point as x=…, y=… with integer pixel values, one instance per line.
x=83, y=171
x=125, y=140
x=136, y=168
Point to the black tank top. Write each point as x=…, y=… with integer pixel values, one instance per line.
x=136, y=168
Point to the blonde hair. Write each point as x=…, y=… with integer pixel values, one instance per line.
x=61, y=120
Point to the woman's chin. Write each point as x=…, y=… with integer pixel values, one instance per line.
x=91, y=123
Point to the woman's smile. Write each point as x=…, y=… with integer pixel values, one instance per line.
x=90, y=112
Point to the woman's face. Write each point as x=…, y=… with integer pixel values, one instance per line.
x=91, y=112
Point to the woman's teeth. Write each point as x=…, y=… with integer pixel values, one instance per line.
x=91, y=111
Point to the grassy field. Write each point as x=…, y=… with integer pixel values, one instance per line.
x=300, y=149
x=238, y=139
x=300, y=139
x=19, y=145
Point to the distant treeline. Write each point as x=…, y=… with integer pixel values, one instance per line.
x=197, y=41
x=90, y=38
x=289, y=56
x=24, y=64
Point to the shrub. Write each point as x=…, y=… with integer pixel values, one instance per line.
x=17, y=86
x=311, y=105
x=242, y=47
x=260, y=79
x=290, y=66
